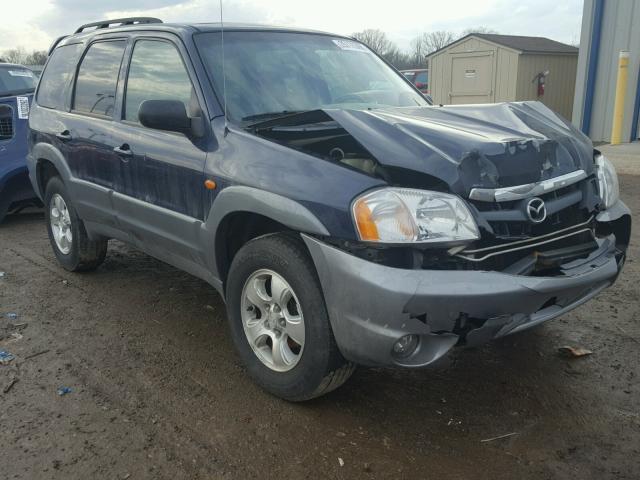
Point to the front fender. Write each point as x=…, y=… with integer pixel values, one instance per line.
x=236, y=199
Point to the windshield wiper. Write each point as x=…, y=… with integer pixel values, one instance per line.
x=270, y=115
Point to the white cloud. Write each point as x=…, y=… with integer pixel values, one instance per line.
x=18, y=27
x=34, y=23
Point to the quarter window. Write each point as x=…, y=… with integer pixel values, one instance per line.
x=98, y=78
x=156, y=73
x=55, y=81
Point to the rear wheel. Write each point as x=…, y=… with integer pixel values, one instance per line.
x=279, y=321
x=71, y=245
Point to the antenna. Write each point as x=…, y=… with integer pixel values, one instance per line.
x=224, y=75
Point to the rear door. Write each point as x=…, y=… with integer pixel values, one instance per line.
x=87, y=130
x=161, y=200
x=472, y=78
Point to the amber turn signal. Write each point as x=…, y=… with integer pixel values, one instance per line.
x=209, y=184
x=364, y=222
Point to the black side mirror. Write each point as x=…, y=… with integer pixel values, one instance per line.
x=170, y=115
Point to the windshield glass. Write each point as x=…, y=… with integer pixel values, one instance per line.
x=275, y=72
x=16, y=81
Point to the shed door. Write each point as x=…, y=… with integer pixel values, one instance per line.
x=472, y=78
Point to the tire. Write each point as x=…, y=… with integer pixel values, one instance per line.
x=82, y=254
x=317, y=367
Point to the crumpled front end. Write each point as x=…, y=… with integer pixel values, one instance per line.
x=372, y=306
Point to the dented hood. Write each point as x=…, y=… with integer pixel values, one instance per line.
x=467, y=146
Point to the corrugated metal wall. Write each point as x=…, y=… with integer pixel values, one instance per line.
x=620, y=31
x=512, y=75
x=559, y=86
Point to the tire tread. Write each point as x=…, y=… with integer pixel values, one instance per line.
x=289, y=244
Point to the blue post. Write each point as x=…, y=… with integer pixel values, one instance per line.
x=592, y=69
x=636, y=112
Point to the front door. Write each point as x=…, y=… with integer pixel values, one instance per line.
x=161, y=201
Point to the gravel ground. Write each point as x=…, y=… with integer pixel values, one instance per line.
x=158, y=392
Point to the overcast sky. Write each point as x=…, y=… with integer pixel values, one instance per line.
x=33, y=24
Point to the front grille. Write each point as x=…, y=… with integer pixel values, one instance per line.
x=513, y=239
x=508, y=220
x=539, y=254
x=6, y=122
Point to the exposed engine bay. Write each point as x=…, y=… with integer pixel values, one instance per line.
x=316, y=133
x=523, y=147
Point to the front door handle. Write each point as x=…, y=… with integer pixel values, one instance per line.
x=124, y=151
x=64, y=136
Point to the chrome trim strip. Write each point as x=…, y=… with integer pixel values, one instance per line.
x=530, y=240
x=518, y=192
x=481, y=259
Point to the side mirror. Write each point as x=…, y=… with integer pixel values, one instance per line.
x=169, y=115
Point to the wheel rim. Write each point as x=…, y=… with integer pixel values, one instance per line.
x=272, y=320
x=60, y=224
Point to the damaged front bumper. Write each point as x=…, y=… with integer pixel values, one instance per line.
x=371, y=306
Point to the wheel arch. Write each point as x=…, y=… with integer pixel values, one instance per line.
x=240, y=214
x=49, y=161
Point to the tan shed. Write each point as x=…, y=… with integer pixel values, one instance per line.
x=488, y=68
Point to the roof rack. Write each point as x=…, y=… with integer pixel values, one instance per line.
x=118, y=22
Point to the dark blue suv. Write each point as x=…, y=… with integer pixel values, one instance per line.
x=17, y=84
x=343, y=219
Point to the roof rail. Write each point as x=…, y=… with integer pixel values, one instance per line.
x=55, y=44
x=118, y=22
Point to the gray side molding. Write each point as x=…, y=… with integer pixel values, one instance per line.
x=278, y=208
x=52, y=154
x=253, y=200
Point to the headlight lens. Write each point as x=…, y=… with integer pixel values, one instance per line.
x=607, y=181
x=404, y=215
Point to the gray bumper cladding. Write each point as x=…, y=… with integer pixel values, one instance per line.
x=371, y=306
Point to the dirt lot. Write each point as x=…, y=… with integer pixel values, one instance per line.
x=158, y=392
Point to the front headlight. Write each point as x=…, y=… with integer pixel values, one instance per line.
x=607, y=181
x=406, y=215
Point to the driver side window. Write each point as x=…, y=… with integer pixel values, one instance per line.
x=156, y=73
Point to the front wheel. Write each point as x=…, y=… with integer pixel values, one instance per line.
x=71, y=245
x=279, y=320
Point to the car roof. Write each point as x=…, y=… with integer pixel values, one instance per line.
x=12, y=65
x=185, y=29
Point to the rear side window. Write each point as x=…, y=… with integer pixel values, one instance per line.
x=156, y=73
x=55, y=81
x=98, y=77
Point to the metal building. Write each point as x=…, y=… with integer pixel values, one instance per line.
x=608, y=26
x=486, y=68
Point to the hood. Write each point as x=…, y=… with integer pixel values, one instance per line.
x=468, y=146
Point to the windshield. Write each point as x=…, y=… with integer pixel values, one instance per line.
x=274, y=72
x=16, y=81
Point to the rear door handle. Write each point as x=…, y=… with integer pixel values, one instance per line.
x=124, y=151
x=64, y=136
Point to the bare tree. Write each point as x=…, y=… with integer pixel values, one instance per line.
x=376, y=39
x=399, y=59
x=37, y=57
x=481, y=29
x=418, y=51
x=433, y=41
x=15, y=55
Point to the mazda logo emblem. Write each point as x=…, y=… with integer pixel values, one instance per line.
x=536, y=210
